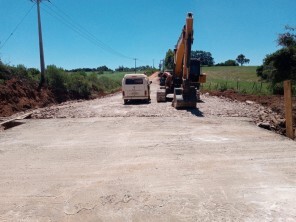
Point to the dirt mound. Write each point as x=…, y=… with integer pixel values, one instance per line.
x=19, y=95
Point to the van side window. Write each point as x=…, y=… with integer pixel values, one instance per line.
x=133, y=81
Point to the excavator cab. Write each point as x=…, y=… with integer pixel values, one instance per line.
x=195, y=72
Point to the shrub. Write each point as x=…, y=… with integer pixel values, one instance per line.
x=108, y=84
x=5, y=71
x=56, y=80
x=277, y=89
x=78, y=86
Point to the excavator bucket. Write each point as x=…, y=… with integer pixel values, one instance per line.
x=183, y=100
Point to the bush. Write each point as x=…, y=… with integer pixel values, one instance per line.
x=150, y=71
x=5, y=72
x=34, y=74
x=277, y=89
x=20, y=72
x=56, y=80
x=78, y=86
x=63, y=85
x=107, y=84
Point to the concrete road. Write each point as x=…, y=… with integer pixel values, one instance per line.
x=102, y=161
x=146, y=169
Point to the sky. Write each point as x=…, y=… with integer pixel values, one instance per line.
x=93, y=33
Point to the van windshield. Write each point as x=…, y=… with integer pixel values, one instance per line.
x=133, y=81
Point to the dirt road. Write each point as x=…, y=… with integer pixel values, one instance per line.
x=102, y=161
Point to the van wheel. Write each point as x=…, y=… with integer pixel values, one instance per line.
x=125, y=101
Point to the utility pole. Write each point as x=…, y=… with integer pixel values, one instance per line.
x=135, y=65
x=161, y=68
x=288, y=109
x=153, y=63
x=42, y=63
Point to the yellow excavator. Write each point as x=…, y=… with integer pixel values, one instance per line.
x=182, y=84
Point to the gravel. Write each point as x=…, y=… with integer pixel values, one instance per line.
x=210, y=106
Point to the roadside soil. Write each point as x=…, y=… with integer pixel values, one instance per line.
x=18, y=95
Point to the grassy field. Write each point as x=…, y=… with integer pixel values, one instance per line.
x=243, y=79
x=242, y=73
x=110, y=81
x=115, y=76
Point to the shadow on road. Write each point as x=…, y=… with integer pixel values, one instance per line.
x=137, y=102
x=195, y=112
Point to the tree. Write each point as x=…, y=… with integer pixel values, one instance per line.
x=169, y=59
x=205, y=58
x=241, y=59
x=103, y=69
x=229, y=62
x=287, y=39
x=280, y=65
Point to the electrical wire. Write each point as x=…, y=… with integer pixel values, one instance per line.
x=17, y=26
x=90, y=34
x=66, y=20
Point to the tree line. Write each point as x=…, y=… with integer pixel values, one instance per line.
x=102, y=69
x=205, y=58
x=83, y=83
x=132, y=69
x=99, y=69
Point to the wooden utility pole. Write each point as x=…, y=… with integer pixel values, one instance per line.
x=161, y=64
x=135, y=65
x=288, y=109
x=42, y=63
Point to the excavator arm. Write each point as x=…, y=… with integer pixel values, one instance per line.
x=185, y=80
x=183, y=50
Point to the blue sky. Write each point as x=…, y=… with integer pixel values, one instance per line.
x=143, y=29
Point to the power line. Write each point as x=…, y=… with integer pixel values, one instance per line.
x=135, y=64
x=16, y=27
x=80, y=30
x=75, y=29
x=90, y=34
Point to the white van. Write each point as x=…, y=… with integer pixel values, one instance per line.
x=135, y=87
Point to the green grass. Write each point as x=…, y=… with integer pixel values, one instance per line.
x=240, y=78
x=116, y=76
x=241, y=73
x=108, y=81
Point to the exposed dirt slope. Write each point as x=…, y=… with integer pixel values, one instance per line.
x=19, y=95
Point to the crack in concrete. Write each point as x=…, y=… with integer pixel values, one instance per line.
x=80, y=210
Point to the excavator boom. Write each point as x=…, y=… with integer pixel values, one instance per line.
x=185, y=80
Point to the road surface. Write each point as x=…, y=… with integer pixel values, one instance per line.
x=102, y=161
